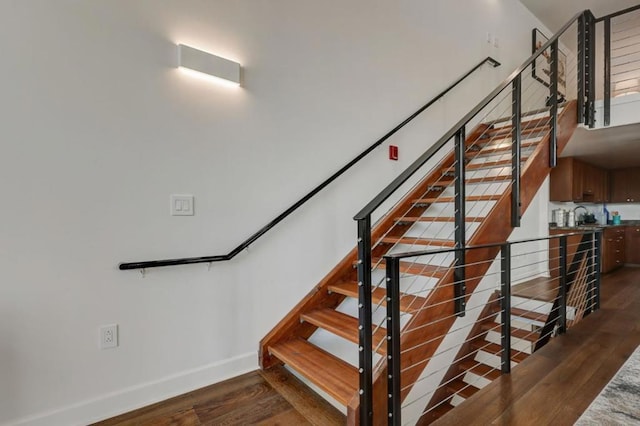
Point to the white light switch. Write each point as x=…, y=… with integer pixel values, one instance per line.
x=182, y=205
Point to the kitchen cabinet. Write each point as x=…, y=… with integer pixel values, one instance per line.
x=625, y=185
x=574, y=180
x=613, y=248
x=632, y=245
x=595, y=184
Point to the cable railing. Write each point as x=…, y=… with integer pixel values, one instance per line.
x=514, y=310
x=519, y=122
x=245, y=244
x=621, y=56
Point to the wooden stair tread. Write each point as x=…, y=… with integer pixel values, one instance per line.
x=506, y=131
x=494, y=349
x=500, y=148
x=414, y=268
x=462, y=388
x=408, y=303
x=437, y=219
x=531, y=336
x=532, y=315
x=492, y=197
x=479, y=369
x=333, y=375
x=344, y=325
x=419, y=241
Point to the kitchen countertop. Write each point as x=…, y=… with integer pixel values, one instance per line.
x=588, y=227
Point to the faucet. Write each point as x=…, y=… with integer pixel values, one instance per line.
x=581, y=207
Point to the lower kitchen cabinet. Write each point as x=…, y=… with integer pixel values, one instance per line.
x=613, y=248
x=632, y=245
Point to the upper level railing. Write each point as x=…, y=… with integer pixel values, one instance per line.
x=621, y=56
x=551, y=73
x=245, y=244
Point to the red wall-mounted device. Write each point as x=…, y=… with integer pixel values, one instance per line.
x=393, y=152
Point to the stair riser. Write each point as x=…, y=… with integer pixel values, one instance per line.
x=516, y=343
x=493, y=188
x=475, y=380
x=539, y=306
x=491, y=360
x=473, y=208
x=437, y=230
x=411, y=284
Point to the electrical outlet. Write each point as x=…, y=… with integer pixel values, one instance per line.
x=109, y=336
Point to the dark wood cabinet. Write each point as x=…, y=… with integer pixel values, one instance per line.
x=625, y=185
x=632, y=245
x=574, y=180
x=566, y=180
x=613, y=248
x=595, y=184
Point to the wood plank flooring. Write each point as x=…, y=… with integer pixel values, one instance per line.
x=556, y=384
x=273, y=397
x=553, y=386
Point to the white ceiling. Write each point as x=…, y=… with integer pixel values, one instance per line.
x=610, y=148
x=555, y=13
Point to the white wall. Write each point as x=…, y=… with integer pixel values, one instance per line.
x=99, y=128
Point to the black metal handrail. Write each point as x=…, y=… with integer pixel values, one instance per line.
x=245, y=244
x=585, y=21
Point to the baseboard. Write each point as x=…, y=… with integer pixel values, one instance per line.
x=115, y=403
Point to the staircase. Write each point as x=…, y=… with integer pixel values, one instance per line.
x=318, y=339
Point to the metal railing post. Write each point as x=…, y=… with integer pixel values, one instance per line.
x=516, y=153
x=607, y=71
x=364, y=321
x=505, y=307
x=460, y=287
x=562, y=308
x=590, y=72
x=394, y=404
x=553, y=99
x=582, y=43
x=598, y=251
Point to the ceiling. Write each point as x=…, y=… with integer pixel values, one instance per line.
x=555, y=13
x=610, y=148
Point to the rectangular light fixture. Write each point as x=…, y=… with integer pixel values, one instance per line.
x=207, y=63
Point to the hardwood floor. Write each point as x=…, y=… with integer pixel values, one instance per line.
x=274, y=397
x=553, y=386
x=557, y=383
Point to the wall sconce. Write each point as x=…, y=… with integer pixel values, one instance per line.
x=192, y=59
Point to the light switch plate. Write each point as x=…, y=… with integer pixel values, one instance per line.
x=182, y=205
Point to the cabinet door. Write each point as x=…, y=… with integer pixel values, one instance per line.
x=632, y=245
x=633, y=185
x=625, y=187
x=578, y=173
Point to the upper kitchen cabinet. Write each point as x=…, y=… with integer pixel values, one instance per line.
x=625, y=185
x=574, y=180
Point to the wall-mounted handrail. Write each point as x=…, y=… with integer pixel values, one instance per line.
x=415, y=166
x=245, y=244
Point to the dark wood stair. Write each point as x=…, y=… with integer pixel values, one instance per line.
x=287, y=342
x=408, y=303
x=343, y=325
x=331, y=374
